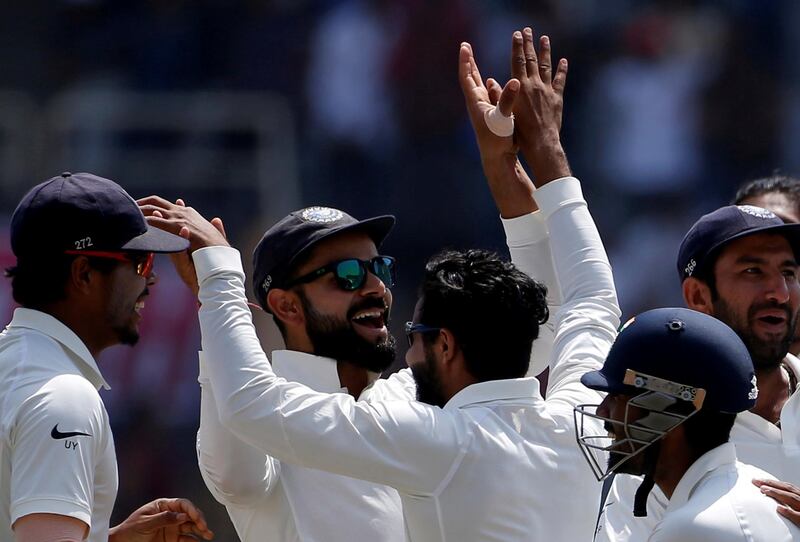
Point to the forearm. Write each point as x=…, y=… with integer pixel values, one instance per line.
x=511, y=188
x=235, y=472
x=547, y=159
x=293, y=423
x=529, y=244
x=589, y=317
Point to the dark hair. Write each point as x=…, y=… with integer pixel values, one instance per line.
x=493, y=309
x=37, y=283
x=290, y=275
x=783, y=184
x=705, y=273
x=707, y=429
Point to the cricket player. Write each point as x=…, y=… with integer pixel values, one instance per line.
x=738, y=264
x=84, y=270
x=464, y=458
x=676, y=380
x=781, y=195
x=337, y=341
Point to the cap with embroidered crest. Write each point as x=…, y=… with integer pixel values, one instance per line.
x=81, y=211
x=296, y=234
x=713, y=230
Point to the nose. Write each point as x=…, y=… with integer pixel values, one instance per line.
x=603, y=408
x=779, y=288
x=373, y=286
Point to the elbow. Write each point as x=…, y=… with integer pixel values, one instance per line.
x=231, y=484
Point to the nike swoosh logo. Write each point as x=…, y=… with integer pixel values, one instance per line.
x=56, y=434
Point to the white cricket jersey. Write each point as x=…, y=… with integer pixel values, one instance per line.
x=716, y=501
x=56, y=447
x=497, y=463
x=758, y=443
x=270, y=500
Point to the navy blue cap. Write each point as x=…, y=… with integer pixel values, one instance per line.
x=715, y=229
x=81, y=211
x=683, y=346
x=297, y=233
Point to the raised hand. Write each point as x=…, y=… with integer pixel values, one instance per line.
x=511, y=187
x=183, y=221
x=539, y=107
x=163, y=520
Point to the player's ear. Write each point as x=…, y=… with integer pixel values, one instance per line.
x=286, y=306
x=81, y=275
x=697, y=295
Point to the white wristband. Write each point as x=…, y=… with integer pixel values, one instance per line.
x=499, y=124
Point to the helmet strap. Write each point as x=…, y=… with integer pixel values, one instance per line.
x=640, y=500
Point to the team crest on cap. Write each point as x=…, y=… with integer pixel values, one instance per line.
x=321, y=215
x=757, y=212
x=753, y=390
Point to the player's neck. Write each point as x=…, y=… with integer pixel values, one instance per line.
x=674, y=459
x=773, y=392
x=81, y=324
x=352, y=377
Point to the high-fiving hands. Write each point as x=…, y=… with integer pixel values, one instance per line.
x=539, y=108
x=536, y=98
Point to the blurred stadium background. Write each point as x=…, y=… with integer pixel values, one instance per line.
x=251, y=108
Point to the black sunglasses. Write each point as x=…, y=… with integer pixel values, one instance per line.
x=412, y=328
x=351, y=274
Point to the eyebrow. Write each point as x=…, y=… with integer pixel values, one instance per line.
x=759, y=260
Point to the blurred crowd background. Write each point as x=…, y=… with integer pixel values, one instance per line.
x=251, y=108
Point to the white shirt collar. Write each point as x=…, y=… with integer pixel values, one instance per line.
x=317, y=372
x=57, y=330
x=708, y=462
x=493, y=390
x=794, y=363
x=758, y=425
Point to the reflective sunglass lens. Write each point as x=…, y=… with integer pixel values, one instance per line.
x=384, y=269
x=350, y=274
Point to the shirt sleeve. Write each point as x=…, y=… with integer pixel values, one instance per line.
x=236, y=473
x=586, y=324
x=412, y=447
x=399, y=386
x=59, y=434
x=529, y=244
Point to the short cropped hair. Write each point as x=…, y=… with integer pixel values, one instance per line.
x=783, y=184
x=37, y=283
x=493, y=309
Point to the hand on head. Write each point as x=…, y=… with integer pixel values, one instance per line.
x=185, y=221
x=188, y=223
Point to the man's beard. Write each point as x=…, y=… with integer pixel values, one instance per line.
x=429, y=384
x=126, y=335
x=620, y=451
x=335, y=338
x=765, y=354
